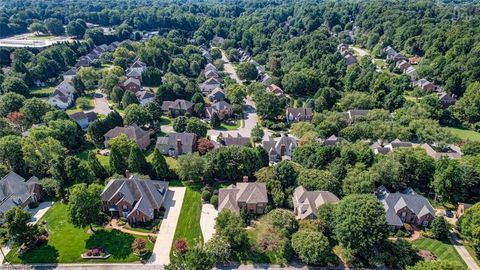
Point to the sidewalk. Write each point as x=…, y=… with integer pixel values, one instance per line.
x=467, y=258
x=207, y=221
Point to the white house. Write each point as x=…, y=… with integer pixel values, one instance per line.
x=63, y=96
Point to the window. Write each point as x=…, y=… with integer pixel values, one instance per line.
x=138, y=212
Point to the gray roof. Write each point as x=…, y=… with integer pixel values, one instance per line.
x=307, y=202
x=14, y=190
x=218, y=107
x=217, y=94
x=273, y=146
x=353, y=114
x=131, y=80
x=392, y=202
x=133, y=132
x=70, y=72
x=91, y=116
x=250, y=193
x=300, y=112
x=234, y=140
x=141, y=95
x=144, y=195
x=187, y=139
x=179, y=104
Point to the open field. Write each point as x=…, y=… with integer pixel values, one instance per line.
x=66, y=243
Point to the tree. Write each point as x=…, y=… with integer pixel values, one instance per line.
x=155, y=110
x=40, y=154
x=15, y=85
x=196, y=258
x=219, y=247
x=195, y=125
x=358, y=180
x=159, y=165
x=84, y=205
x=180, y=124
x=437, y=265
x=97, y=168
x=17, y=223
x=448, y=180
x=10, y=102
x=152, y=76
x=215, y=121
x=137, y=162
x=286, y=172
x=440, y=228
x=11, y=153
x=469, y=225
x=236, y=93
x=119, y=152
x=116, y=95
x=76, y=28
x=313, y=180
x=191, y=167
x=77, y=171
x=67, y=132
x=466, y=108
x=89, y=77
x=247, y=71
x=231, y=227
x=38, y=28
x=360, y=225
x=54, y=26
x=234, y=162
x=51, y=187
x=268, y=105
x=312, y=247
x=137, y=114
x=257, y=133
x=139, y=245
x=34, y=109
x=129, y=98
x=204, y=145
x=108, y=82
x=326, y=217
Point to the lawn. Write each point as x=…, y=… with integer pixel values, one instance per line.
x=472, y=253
x=444, y=251
x=83, y=155
x=41, y=37
x=66, y=243
x=42, y=92
x=225, y=126
x=465, y=134
x=188, y=226
x=76, y=108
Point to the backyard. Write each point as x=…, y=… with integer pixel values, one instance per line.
x=444, y=251
x=465, y=134
x=83, y=155
x=66, y=243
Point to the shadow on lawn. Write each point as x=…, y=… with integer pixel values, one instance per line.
x=118, y=244
x=42, y=254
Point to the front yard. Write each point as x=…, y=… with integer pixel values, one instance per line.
x=66, y=243
x=444, y=251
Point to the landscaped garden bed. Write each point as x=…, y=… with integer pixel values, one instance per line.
x=96, y=253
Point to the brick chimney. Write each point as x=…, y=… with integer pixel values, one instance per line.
x=245, y=179
x=283, y=149
x=128, y=175
x=179, y=147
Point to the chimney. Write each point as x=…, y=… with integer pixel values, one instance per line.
x=128, y=175
x=179, y=147
x=283, y=149
x=245, y=179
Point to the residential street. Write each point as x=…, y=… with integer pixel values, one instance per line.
x=228, y=68
x=207, y=221
x=163, y=244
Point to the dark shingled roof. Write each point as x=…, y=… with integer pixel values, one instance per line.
x=14, y=190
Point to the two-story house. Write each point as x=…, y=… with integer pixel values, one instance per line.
x=251, y=196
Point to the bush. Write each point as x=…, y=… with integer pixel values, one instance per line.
x=206, y=195
x=214, y=201
x=440, y=228
x=138, y=246
x=274, y=125
x=33, y=205
x=83, y=103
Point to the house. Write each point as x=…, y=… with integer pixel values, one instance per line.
x=406, y=207
x=210, y=84
x=133, y=132
x=350, y=59
x=276, y=90
x=136, y=69
x=145, y=97
x=260, y=68
x=176, y=144
x=411, y=72
x=332, y=140
x=266, y=80
x=177, y=107
x=63, y=96
x=83, y=61
x=446, y=100
x=218, y=41
x=306, y=203
x=462, y=207
x=135, y=199
x=396, y=57
x=424, y=84
x=414, y=60
x=280, y=148
x=17, y=191
x=298, y=114
x=230, y=140
x=83, y=119
x=377, y=148
x=134, y=73
x=251, y=196
x=212, y=74
x=451, y=151
x=70, y=74
x=389, y=51
x=211, y=67
x=132, y=85
x=402, y=65
x=216, y=95
x=353, y=115
x=222, y=108
x=398, y=144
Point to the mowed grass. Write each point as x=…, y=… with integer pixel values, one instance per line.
x=225, y=126
x=66, y=243
x=444, y=251
x=83, y=155
x=465, y=134
x=188, y=226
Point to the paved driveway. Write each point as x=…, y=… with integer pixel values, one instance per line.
x=207, y=221
x=101, y=103
x=163, y=244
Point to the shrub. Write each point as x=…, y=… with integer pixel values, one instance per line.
x=33, y=205
x=181, y=246
x=206, y=195
x=214, y=201
x=138, y=246
x=83, y=103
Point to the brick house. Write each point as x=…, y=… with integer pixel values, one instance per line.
x=176, y=144
x=251, y=196
x=134, y=199
x=133, y=132
x=306, y=203
x=405, y=207
x=177, y=108
x=132, y=85
x=298, y=114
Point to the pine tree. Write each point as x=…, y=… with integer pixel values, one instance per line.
x=97, y=167
x=159, y=164
x=137, y=162
x=440, y=228
x=215, y=121
x=117, y=163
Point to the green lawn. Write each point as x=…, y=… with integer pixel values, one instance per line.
x=83, y=155
x=66, y=243
x=77, y=108
x=166, y=121
x=472, y=253
x=442, y=250
x=465, y=134
x=225, y=126
x=42, y=92
x=188, y=226
x=43, y=37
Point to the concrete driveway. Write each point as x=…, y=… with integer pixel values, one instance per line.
x=163, y=244
x=38, y=212
x=101, y=103
x=207, y=221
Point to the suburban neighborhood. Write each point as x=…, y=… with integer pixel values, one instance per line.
x=248, y=135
